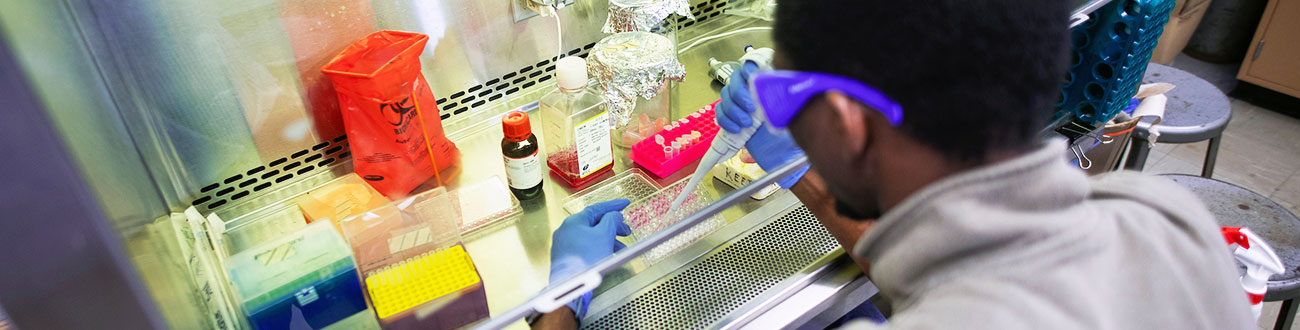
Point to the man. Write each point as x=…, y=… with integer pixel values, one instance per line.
x=924, y=116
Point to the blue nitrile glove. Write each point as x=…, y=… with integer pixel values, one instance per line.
x=583, y=240
x=736, y=111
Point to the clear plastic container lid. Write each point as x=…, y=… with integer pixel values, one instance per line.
x=274, y=222
x=341, y=198
x=412, y=263
x=630, y=65
x=403, y=230
x=278, y=268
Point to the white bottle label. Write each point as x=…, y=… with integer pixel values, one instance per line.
x=524, y=173
x=594, y=150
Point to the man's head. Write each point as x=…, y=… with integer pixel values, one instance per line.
x=976, y=81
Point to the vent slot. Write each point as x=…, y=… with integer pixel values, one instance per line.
x=257, y=179
x=494, y=89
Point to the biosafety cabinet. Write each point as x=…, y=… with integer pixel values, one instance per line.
x=164, y=158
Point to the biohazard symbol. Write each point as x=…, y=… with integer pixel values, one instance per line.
x=396, y=113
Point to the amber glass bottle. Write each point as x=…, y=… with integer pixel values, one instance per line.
x=523, y=165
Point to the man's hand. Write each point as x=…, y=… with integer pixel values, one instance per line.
x=583, y=240
x=736, y=111
x=559, y=319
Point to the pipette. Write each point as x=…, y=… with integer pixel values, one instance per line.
x=726, y=144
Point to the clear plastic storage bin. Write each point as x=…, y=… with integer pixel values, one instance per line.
x=417, y=274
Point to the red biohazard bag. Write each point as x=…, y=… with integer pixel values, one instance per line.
x=389, y=112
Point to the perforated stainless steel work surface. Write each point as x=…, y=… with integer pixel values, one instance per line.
x=722, y=282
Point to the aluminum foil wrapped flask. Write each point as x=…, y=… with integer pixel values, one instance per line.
x=644, y=15
x=633, y=65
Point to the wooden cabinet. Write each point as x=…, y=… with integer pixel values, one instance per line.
x=1273, y=61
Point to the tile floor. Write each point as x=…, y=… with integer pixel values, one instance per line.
x=1260, y=151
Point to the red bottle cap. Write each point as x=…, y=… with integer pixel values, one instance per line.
x=516, y=126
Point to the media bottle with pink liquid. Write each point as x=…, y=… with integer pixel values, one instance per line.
x=576, y=126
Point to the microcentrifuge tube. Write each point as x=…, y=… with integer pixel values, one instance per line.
x=696, y=135
x=668, y=127
x=659, y=138
x=668, y=151
x=677, y=146
x=683, y=121
x=696, y=115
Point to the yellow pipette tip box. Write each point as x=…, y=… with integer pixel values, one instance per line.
x=409, y=284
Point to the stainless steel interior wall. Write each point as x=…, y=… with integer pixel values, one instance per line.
x=164, y=97
x=63, y=265
x=47, y=44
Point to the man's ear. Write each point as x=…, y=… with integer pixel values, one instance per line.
x=853, y=121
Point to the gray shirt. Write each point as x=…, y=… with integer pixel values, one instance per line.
x=1033, y=243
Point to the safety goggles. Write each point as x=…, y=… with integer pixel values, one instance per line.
x=780, y=95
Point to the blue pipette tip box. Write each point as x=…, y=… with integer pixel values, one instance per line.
x=307, y=280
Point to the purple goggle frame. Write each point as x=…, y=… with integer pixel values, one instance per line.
x=780, y=95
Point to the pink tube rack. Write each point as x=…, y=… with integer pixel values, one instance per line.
x=653, y=157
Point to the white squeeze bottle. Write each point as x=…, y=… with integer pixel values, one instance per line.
x=576, y=126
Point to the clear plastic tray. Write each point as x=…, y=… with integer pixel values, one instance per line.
x=485, y=203
x=633, y=185
x=648, y=213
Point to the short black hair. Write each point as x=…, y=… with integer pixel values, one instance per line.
x=972, y=76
